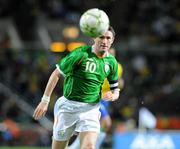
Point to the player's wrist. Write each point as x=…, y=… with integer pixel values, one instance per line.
x=45, y=99
x=115, y=94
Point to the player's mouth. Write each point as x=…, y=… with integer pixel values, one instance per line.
x=104, y=46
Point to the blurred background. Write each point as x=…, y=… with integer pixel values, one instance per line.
x=36, y=34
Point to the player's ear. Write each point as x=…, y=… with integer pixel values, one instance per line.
x=112, y=40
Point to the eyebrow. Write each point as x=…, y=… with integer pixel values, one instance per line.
x=108, y=37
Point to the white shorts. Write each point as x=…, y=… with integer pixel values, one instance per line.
x=72, y=116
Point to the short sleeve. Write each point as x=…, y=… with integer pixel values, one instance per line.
x=68, y=63
x=113, y=76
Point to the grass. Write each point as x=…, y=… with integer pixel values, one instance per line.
x=21, y=147
x=10, y=147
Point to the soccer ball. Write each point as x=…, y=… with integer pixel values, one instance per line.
x=94, y=22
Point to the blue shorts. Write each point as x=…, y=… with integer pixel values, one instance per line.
x=104, y=108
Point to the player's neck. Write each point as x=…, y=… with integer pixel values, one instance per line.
x=98, y=53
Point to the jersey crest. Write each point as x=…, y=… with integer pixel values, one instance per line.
x=106, y=67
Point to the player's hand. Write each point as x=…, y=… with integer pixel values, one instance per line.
x=108, y=96
x=41, y=110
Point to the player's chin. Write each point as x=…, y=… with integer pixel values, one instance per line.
x=104, y=49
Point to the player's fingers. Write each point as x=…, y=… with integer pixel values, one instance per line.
x=39, y=111
x=43, y=114
x=34, y=114
x=109, y=96
x=113, y=100
x=38, y=114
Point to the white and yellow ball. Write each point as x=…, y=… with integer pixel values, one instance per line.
x=94, y=22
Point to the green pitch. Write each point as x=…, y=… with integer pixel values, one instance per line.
x=24, y=147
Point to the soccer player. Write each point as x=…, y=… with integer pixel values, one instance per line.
x=77, y=110
x=105, y=119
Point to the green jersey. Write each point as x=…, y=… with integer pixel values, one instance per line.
x=85, y=73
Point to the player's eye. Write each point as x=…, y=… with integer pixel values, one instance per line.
x=108, y=38
x=101, y=37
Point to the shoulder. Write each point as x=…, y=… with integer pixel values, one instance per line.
x=82, y=49
x=111, y=59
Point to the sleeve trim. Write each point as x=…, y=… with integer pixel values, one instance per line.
x=57, y=66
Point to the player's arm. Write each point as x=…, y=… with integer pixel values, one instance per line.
x=111, y=95
x=65, y=66
x=113, y=79
x=114, y=94
x=41, y=109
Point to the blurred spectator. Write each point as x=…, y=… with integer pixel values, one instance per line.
x=150, y=32
x=165, y=28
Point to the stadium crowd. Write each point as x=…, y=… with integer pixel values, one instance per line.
x=151, y=79
x=148, y=51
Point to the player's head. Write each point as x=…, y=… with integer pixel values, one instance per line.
x=112, y=30
x=103, y=43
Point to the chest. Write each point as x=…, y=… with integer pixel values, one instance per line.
x=95, y=68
